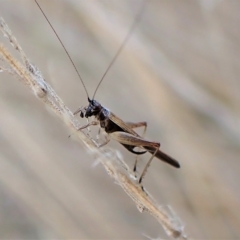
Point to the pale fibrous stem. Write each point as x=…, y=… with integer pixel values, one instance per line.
x=30, y=76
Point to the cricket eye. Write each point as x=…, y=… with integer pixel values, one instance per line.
x=81, y=114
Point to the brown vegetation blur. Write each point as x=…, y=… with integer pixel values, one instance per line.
x=179, y=72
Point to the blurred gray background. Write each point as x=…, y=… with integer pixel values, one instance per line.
x=179, y=72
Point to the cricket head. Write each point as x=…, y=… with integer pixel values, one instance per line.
x=93, y=109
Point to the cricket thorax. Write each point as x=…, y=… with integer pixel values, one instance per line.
x=102, y=115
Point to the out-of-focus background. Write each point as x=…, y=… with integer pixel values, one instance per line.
x=179, y=72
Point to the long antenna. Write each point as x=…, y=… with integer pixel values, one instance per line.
x=63, y=47
x=136, y=20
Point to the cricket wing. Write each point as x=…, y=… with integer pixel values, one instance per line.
x=122, y=124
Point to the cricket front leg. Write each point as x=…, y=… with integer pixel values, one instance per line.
x=129, y=139
x=93, y=123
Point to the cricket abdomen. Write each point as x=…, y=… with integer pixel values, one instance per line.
x=130, y=149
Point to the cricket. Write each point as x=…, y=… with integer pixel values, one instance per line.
x=114, y=127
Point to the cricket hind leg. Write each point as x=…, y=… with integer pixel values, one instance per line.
x=131, y=140
x=137, y=125
x=164, y=157
x=147, y=166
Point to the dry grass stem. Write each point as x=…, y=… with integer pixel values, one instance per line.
x=32, y=78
